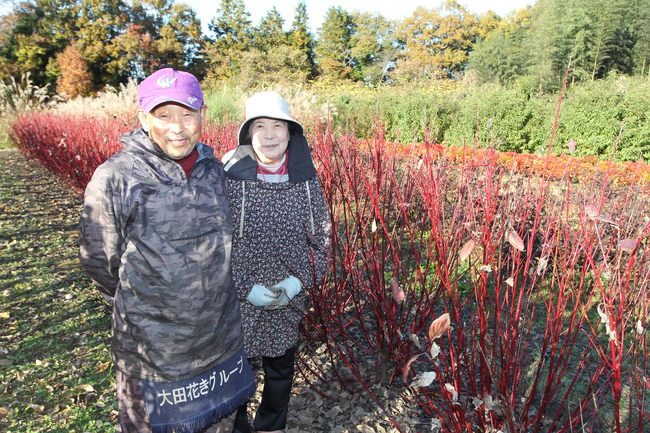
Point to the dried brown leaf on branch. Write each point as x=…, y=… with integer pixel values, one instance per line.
x=514, y=240
x=424, y=379
x=414, y=338
x=541, y=266
x=408, y=366
x=639, y=327
x=439, y=326
x=452, y=390
x=592, y=212
x=434, y=351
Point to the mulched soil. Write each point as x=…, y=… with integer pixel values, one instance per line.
x=46, y=198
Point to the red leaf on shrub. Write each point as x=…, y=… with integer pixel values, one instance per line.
x=627, y=244
x=572, y=146
x=439, y=326
x=467, y=250
x=591, y=211
x=514, y=239
x=398, y=292
x=408, y=366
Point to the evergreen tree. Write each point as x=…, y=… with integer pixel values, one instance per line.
x=639, y=18
x=281, y=64
x=301, y=38
x=334, y=48
x=232, y=27
x=100, y=23
x=269, y=33
x=34, y=32
x=181, y=41
x=233, y=36
x=594, y=33
x=501, y=54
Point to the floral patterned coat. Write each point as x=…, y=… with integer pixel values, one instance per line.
x=281, y=229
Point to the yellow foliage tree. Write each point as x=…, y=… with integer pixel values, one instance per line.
x=436, y=42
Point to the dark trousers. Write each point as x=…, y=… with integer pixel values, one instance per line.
x=272, y=413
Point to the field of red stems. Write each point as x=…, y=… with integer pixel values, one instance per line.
x=493, y=292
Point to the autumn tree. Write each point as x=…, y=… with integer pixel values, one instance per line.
x=74, y=77
x=436, y=43
x=159, y=33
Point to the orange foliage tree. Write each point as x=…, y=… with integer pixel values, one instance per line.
x=75, y=79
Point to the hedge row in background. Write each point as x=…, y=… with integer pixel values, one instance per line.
x=511, y=119
x=72, y=146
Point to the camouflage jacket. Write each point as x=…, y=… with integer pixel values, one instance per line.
x=159, y=244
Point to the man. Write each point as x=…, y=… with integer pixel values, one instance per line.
x=156, y=234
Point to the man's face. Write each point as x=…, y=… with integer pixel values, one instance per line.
x=174, y=127
x=270, y=139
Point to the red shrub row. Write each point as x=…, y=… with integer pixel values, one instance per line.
x=544, y=281
x=73, y=146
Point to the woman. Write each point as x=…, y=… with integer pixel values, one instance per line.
x=279, y=245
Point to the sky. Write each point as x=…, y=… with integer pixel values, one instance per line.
x=316, y=9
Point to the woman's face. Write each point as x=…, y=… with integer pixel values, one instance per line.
x=270, y=139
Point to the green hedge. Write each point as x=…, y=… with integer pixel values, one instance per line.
x=509, y=119
x=593, y=114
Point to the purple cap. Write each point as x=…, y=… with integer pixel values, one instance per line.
x=168, y=85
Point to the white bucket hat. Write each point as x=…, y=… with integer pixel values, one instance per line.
x=266, y=104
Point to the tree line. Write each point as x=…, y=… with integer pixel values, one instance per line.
x=80, y=46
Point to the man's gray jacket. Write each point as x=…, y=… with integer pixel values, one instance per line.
x=158, y=243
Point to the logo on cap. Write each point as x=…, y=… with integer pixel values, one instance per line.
x=164, y=81
x=192, y=100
